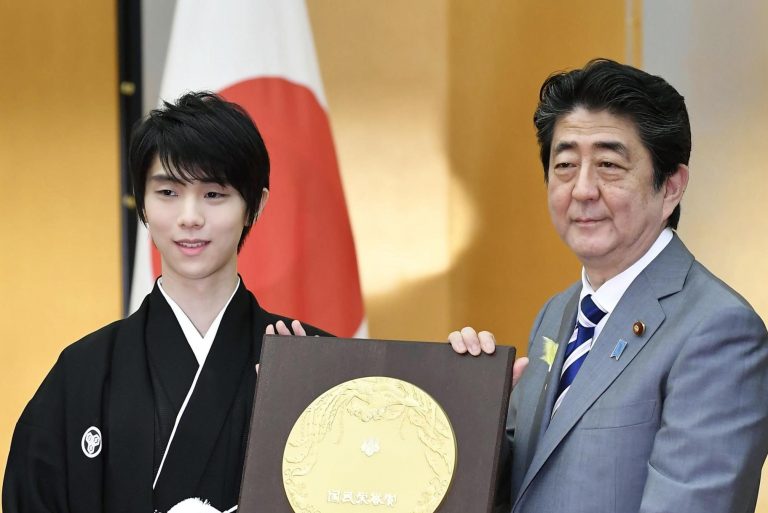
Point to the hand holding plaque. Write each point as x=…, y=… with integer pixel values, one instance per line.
x=467, y=340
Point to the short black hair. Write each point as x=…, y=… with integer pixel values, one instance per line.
x=656, y=108
x=201, y=136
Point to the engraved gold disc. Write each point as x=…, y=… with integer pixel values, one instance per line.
x=372, y=444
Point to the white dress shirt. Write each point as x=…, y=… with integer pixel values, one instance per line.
x=200, y=344
x=609, y=294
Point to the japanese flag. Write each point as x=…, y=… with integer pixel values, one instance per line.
x=299, y=259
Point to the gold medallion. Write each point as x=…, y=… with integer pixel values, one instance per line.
x=371, y=444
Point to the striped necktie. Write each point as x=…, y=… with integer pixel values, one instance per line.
x=578, y=347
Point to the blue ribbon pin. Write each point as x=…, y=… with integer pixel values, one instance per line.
x=620, y=346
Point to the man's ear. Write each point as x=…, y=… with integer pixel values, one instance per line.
x=262, y=203
x=674, y=188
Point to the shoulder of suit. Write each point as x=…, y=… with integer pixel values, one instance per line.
x=702, y=285
x=551, y=314
x=272, y=318
x=559, y=301
x=78, y=373
x=94, y=342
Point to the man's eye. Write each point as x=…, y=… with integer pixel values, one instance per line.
x=608, y=164
x=564, y=166
x=214, y=195
x=166, y=192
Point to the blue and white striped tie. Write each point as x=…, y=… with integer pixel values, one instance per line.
x=578, y=347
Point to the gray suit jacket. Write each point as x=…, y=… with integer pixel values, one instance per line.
x=679, y=423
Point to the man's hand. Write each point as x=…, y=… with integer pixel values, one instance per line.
x=468, y=340
x=282, y=329
x=518, y=368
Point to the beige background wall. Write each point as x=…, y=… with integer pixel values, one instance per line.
x=431, y=105
x=59, y=213
x=716, y=54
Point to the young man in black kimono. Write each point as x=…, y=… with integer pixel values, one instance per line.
x=154, y=409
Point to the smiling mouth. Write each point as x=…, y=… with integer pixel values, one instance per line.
x=192, y=244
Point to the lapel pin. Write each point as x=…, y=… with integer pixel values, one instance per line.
x=638, y=328
x=620, y=346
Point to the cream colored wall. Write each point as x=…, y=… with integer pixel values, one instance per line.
x=60, y=261
x=718, y=59
x=385, y=69
x=431, y=104
x=513, y=261
x=716, y=54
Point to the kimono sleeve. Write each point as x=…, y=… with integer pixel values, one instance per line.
x=36, y=474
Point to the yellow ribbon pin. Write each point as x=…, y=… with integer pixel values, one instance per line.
x=550, y=350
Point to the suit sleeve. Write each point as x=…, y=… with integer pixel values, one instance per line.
x=713, y=438
x=35, y=474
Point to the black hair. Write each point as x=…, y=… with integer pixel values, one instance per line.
x=201, y=137
x=655, y=107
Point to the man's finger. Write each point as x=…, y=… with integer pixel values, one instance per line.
x=457, y=342
x=518, y=368
x=471, y=341
x=257, y=365
x=270, y=330
x=298, y=329
x=487, y=342
x=282, y=329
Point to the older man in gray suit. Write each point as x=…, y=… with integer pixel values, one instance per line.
x=647, y=388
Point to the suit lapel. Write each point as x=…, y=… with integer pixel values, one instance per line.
x=130, y=414
x=231, y=359
x=664, y=276
x=553, y=379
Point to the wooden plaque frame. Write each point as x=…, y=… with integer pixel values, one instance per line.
x=473, y=392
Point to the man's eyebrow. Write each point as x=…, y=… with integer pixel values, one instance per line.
x=614, y=146
x=563, y=146
x=163, y=178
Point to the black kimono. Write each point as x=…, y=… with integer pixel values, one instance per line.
x=94, y=434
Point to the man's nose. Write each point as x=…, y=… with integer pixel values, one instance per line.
x=191, y=214
x=585, y=188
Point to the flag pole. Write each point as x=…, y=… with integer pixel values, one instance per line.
x=130, y=100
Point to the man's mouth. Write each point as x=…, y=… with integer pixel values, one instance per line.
x=191, y=243
x=586, y=220
x=192, y=246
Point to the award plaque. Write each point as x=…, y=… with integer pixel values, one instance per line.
x=374, y=426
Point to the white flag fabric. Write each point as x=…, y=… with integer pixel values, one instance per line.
x=299, y=259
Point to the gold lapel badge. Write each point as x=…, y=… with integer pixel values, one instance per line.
x=638, y=328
